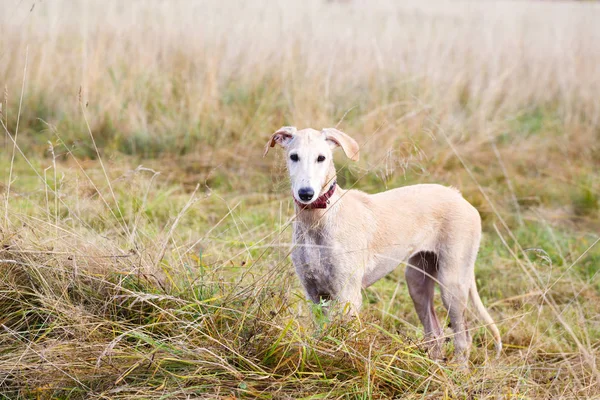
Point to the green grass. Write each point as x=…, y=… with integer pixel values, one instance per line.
x=91, y=312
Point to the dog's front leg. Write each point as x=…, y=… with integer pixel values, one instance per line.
x=346, y=299
x=349, y=295
x=351, y=302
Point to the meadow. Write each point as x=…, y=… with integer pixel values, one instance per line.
x=144, y=240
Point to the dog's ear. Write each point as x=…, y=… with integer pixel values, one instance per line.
x=282, y=136
x=339, y=138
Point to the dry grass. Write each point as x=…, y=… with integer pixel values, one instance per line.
x=172, y=280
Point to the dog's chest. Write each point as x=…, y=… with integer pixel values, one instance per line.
x=314, y=258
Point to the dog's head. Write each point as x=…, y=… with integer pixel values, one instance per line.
x=309, y=158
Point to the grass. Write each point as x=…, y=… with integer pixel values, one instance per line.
x=152, y=261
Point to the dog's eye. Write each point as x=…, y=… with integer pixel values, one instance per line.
x=320, y=158
x=294, y=157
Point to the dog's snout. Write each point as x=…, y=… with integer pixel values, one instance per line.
x=306, y=193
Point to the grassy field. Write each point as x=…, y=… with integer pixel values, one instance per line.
x=144, y=240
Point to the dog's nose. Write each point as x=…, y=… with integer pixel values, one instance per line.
x=306, y=193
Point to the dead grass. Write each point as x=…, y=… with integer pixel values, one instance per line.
x=171, y=279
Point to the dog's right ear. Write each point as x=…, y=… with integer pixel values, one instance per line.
x=282, y=136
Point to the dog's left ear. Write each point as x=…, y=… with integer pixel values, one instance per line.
x=339, y=138
x=282, y=136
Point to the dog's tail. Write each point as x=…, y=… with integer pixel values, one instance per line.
x=485, y=316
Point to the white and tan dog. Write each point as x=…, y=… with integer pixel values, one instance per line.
x=345, y=240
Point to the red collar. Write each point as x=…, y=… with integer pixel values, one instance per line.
x=321, y=202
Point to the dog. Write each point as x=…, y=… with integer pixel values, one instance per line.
x=346, y=240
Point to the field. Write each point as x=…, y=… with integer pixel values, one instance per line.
x=144, y=240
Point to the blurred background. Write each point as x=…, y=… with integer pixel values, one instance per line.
x=140, y=223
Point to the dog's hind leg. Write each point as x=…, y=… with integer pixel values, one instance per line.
x=455, y=283
x=420, y=275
